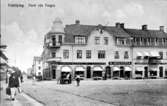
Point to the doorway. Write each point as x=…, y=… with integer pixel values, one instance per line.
x=121, y=71
x=146, y=72
x=108, y=72
x=160, y=71
x=53, y=74
x=88, y=72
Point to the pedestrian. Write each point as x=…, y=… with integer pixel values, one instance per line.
x=19, y=80
x=78, y=80
x=12, y=85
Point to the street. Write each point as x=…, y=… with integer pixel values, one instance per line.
x=147, y=92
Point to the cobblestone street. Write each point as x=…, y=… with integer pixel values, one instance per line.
x=101, y=93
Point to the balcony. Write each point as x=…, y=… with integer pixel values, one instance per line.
x=53, y=45
x=54, y=59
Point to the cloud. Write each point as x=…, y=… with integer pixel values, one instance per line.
x=131, y=10
x=22, y=46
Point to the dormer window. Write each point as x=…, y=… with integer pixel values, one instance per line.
x=80, y=40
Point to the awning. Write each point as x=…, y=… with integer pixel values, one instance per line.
x=139, y=69
x=97, y=69
x=146, y=54
x=79, y=69
x=139, y=54
x=128, y=69
x=116, y=69
x=153, y=69
x=154, y=54
x=66, y=69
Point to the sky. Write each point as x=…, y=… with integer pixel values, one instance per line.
x=23, y=29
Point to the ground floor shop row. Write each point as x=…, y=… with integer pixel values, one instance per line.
x=99, y=71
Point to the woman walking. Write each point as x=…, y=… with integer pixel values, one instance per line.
x=13, y=84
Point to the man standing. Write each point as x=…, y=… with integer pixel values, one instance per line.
x=78, y=80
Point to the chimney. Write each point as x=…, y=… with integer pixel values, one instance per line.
x=117, y=25
x=77, y=22
x=144, y=27
x=122, y=25
x=161, y=28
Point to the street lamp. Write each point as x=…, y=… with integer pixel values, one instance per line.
x=131, y=46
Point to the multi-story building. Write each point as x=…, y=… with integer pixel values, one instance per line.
x=3, y=62
x=110, y=51
x=37, y=66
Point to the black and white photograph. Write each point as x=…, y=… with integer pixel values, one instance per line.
x=83, y=53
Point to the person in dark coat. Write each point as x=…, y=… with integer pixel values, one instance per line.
x=13, y=83
x=78, y=80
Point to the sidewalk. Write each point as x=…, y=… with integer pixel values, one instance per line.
x=21, y=98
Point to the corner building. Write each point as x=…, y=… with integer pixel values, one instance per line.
x=96, y=51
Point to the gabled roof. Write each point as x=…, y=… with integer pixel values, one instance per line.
x=146, y=33
x=85, y=30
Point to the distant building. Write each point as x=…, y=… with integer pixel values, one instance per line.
x=104, y=51
x=3, y=62
x=37, y=66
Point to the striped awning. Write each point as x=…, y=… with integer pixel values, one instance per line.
x=97, y=69
x=139, y=69
x=116, y=69
x=139, y=54
x=146, y=53
x=154, y=54
x=66, y=69
x=128, y=69
x=79, y=69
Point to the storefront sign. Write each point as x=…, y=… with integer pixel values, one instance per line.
x=120, y=63
x=80, y=63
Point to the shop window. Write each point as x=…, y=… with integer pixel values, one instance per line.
x=97, y=40
x=53, y=54
x=138, y=72
x=106, y=40
x=126, y=55
x=88, y=54
x=161, y=55
x=66, y=54
x=116, y=56
x=79, y=54
x=101, y=54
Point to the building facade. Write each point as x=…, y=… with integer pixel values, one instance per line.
x=96, y=51
x=37, y=67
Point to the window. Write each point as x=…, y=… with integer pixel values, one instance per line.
x=101, y=54
x=53, y=41
x=66, y=54
x=97, y=40
x=161, y=55
x=53, y=54
x=126, y=55
x=80, y=40
x=116, y=55
x=39, y=67
x=79, y=54
x=88, y=54
x=60, y=39
x=106, y=40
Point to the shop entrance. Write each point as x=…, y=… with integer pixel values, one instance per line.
x=108, y=72
x=88, y=72
x=121, y=72
x=53, y=73
x=160, y=71
x=146, y=72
